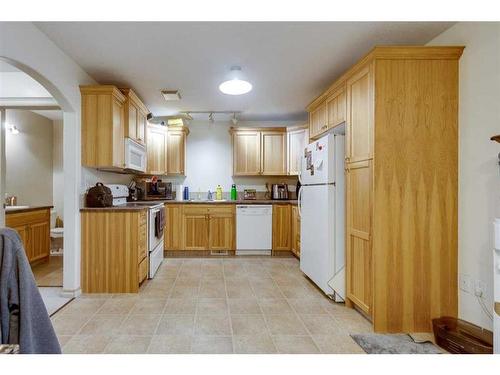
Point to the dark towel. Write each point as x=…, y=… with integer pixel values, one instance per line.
x=160, y=222
x=23, y=317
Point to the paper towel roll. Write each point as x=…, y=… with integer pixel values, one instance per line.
x=179, y=193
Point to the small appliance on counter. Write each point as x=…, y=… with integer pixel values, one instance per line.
x=279, y=191
x=249, y=194
x=154, y=190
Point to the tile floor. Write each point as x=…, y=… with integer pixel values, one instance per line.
x=213, y=305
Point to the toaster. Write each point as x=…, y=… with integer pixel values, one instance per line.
x=279, y=191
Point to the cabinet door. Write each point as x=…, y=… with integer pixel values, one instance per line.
x=335, y=108
x=359, y=121
x=176, y=152
x=39, y=241
x=142, y=240
x=246, y=153
x=297, y=141
x=221, y=231
x=318, y=121
x=23, y=232
x=282, y=227
x=295, y=231
x=157, y=149
x=132, y=121
x=141, y=127
x=173, y=227
x=195, y=228
x=273, y=153
x=359, y=243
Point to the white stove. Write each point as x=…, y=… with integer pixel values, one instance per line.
x=155, y=236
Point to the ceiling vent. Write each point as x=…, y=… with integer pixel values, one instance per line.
x=171, y=95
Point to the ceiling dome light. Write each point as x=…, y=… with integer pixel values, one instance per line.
x=236, y=85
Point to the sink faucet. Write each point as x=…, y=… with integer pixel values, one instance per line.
x=209, y=195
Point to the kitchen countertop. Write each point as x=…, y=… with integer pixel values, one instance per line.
x=114, y=208
x=27, y=209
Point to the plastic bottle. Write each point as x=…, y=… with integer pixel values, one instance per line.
x=218, y=193
x=186, y=193
x=234, y=193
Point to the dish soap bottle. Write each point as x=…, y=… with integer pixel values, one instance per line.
x=234, y=193
x=218, y=193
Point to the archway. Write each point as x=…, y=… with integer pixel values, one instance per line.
x=71, y=169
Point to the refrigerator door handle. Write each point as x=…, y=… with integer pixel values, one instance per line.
x=299, y=202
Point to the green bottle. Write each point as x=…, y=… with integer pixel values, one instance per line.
x=234, y=193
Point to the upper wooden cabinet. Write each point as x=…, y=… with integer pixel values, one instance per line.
x=273, y=155
x=297, y=140
x=176, y=150
x=259, y=151
x=335, y=108
x=157, y=149
x=102, y=127
x=136, y=112
x=318, y=121
x=246, y=152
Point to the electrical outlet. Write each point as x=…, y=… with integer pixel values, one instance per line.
x=465, y=283
x=479, y=288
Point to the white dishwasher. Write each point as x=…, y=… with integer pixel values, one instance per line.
x=254, y=229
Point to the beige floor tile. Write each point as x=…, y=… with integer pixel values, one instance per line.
x=176, y=324
x=170, y=344
x=320, y=324
x=140, y=325
x=337, y=344
x=295, y=345
x=248, y=325
x=353, y=323
x=69, y=324
x=180, y=306
x=208, y=306
x=307, y=306
x=117, y=306
x=103, y=324
x=254, y=344
x=188, y=281
x=212, y=290
x=275, y=306
x=244, y=306
x=239, y=291
x=212, y=345
x=63, y=339
x=212, y=325
x=285, y=325
x=149, y=306
x=267, y=291
x=83, y=306
x=184, y=292
x=294, y=291
x=87, y=344
x=124, y=344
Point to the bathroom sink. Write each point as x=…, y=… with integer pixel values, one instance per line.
x=14, y=208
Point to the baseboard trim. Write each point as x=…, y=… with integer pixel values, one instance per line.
x=71, y=293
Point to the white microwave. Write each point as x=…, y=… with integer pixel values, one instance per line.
x=135, y=155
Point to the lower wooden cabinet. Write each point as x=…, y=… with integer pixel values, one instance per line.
x=173, y=227
x=34, y=229
x=282, y=228
x=295, y=231
x=209, y=227
x=113, y=243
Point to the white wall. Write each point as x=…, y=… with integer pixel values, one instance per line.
x=209, y=158
x=29, y=158
x=58, y=168
x=479, y=193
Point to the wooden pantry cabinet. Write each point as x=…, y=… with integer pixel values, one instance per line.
x=401, y=184
x=114, y=250
x=103, y=127
x=33, y=227
x=207, y=227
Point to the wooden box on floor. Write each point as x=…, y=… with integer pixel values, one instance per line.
x=114, y=250
x=401, y=120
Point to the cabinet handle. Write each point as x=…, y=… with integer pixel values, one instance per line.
x=347, y=159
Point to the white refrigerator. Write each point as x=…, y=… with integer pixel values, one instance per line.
x=322, y=211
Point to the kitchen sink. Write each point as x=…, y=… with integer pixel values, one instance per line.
x=14, y=208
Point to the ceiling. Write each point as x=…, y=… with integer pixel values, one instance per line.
x=288, y=63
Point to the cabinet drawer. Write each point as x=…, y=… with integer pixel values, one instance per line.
x=142, y=273
x=142, y=242
x=197, y=209
x=16, y=219
x=225, y=209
